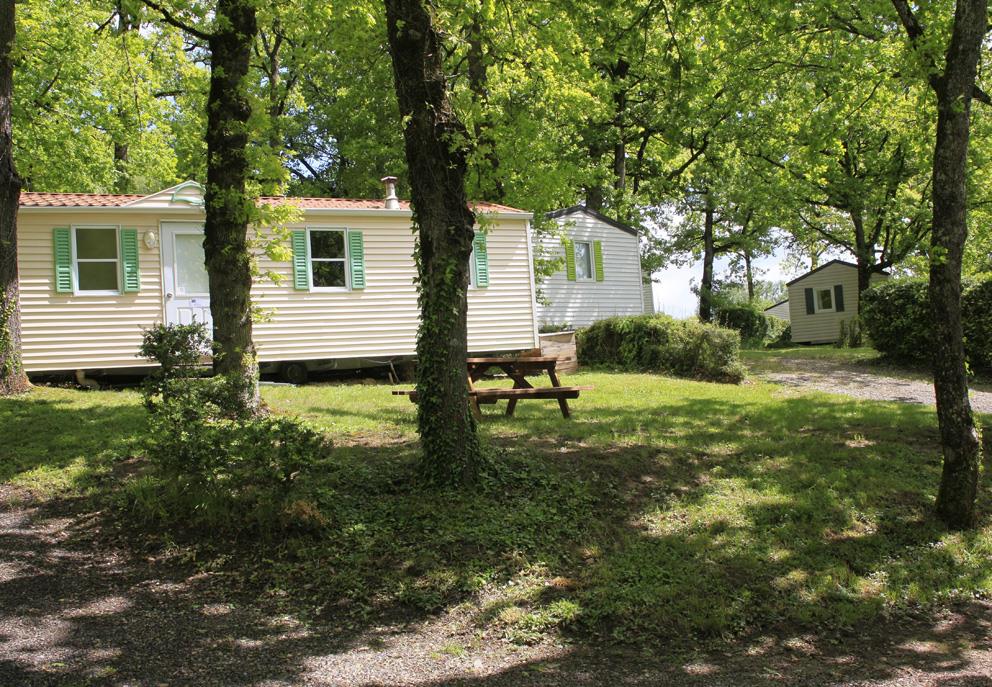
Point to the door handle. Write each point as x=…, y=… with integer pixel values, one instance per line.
x=168, y=296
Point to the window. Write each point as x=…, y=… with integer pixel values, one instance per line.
x=824, y=300
x=95, y=259
x=328, y=254
x=583, y=260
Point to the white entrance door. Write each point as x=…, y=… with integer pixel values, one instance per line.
x=184, y=276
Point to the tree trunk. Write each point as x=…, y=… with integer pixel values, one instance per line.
x=437, y=166
x=121, y=152
x=959, y=437
x=12, y=377
x=748, y=274
x=225, y=244
x=709, y=254
x=490, y=183
x=620, y=72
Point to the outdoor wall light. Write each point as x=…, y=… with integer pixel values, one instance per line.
x=151, y=239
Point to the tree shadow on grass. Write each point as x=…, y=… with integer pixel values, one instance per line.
x=671, y=528
x=41, y=433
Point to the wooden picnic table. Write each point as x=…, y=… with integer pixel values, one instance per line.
x=517, y=369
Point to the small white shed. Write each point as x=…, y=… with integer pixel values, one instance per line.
x=779, y=310
x=823, y=298
x=602, y=274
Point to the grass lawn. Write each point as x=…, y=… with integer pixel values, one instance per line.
x=826, y=352
x=664, y=510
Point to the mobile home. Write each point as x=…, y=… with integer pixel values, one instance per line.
x=601, y=272
x=96, y=270
x=820, y=300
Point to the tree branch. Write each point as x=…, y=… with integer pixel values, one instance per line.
x=169, y=18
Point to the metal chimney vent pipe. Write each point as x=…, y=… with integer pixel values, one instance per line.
x=391, y=202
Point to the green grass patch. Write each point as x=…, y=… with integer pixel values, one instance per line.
x=664, y=510
x=58, y=440
x=824, y=352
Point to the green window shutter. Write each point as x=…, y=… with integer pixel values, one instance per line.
x=301, y=275
x=356, y=259
x=569, y=259
x=597, y=249
x=131, y=276
x=481, y=252
x=810, y=307
x=62, y=249
x=839, y=298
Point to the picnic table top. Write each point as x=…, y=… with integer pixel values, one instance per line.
x=509, y=393
x=511, y=361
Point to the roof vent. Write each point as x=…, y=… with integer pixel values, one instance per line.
x=391, y=202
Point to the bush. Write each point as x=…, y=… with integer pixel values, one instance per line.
x=746, y=318
x=658, y=343
x=851, y=333
x=779, y=333
x=213, y=470
x=896, y=317
x=976, y=306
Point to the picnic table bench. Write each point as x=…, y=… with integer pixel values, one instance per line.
x=516, y=369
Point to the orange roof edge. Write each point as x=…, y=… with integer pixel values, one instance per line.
x=34, y=199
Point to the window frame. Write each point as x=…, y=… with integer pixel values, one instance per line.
x=473, y=275
x=345, y=260
x=816, y=299
x=76, y=290
x=592, y=259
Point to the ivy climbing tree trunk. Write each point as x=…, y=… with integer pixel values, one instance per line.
x=12, y=377
x=436, y=160
x=228, y=206
x=955, y=87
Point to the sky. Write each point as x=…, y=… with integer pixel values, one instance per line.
x=672, y=287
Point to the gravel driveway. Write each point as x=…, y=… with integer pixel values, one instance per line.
x=77, y=610
x=858, y=380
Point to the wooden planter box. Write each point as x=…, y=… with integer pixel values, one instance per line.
x=560, y=345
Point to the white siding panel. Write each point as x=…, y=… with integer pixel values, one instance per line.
x=580, y=303
x=781, y=310
x=65, y=331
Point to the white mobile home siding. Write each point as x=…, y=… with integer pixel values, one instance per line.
x=781, y=310
x=823, y=327
x=68, y=332
x=381, y=320
x=580, y=303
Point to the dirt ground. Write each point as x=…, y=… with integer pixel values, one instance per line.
x=75, y=609
x=859, y=380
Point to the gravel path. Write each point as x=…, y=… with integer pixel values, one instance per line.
x=76, y=610
x=860, y=381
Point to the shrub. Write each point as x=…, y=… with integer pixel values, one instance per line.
x=746, y=318
x=896, y=317
x=213, y=470
x=684, y=348
x=779, y=333
x=851, y=333
x=976, y=306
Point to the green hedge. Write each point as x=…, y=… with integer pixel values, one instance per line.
x=659, y=343
x=748, y=319
x=896, y=316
